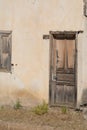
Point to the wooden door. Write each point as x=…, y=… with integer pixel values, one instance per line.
x=63, y=71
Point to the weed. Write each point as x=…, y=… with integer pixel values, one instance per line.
x=17, y=105
x=1, y=107
x=41, y=109
x=64, y=109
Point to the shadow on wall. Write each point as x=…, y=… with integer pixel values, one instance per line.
x=84, y=98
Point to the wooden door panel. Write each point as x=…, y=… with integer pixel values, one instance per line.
x=64, y=94
x=65, y=83
x=68, y=94
x=66, y=53
x=60, y=51
x=71, y=53
x=65, y=77
x=60, y=94
x=62, y=77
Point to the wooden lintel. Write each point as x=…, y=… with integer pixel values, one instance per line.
x=5, y=32
x=45, y=36
x=66, y=32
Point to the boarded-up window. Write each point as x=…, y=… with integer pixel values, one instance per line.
x=5, y=51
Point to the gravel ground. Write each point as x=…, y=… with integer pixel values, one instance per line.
x=25, y=119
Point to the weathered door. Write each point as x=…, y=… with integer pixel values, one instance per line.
x=62, y=69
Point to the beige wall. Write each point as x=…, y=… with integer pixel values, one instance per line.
x=29, y=20
x=82, y=64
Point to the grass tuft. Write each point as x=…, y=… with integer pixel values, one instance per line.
x=64, y=109
x=17, y=105
x=41, y=109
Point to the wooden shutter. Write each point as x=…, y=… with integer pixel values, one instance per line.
x=85, y=8
x=5, y=46
x=0, y=51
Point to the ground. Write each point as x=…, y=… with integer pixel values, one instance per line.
x=55, y=119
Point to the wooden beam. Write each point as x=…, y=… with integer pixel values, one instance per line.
x=46, y=37
x=66, y=32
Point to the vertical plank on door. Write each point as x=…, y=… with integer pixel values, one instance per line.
x=52, y=69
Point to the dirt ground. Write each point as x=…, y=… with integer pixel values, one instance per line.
x=55, y=119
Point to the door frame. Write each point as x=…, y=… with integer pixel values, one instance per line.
x=52, y=103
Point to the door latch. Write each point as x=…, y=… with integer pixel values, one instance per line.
x=54, y=78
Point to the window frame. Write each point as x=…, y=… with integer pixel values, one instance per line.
x=7, y=34
x=85, y=8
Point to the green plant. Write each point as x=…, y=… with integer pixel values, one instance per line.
x=41, y=109
x=64, y=109
x=1, y=107
x=17, y=105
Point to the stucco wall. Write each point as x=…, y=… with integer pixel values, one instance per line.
x=82, y=64
x=29, y=20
